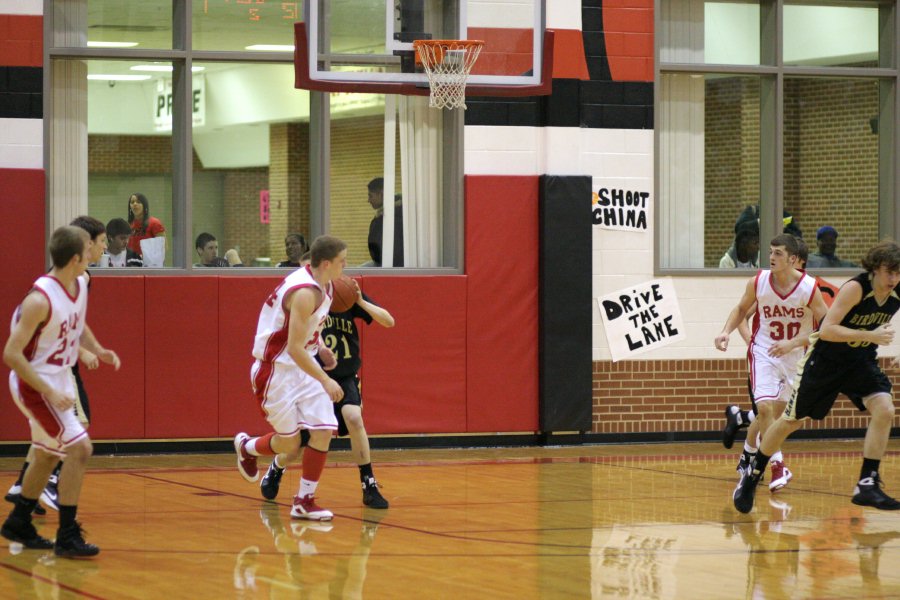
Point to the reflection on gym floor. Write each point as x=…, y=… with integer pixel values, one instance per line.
x=652, y=521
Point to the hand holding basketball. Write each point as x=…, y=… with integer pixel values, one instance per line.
x=346, y=292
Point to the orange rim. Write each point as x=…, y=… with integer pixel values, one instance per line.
x=438, y=44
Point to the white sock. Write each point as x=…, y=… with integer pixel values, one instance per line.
x=751, y=416
x=276, y=463
x=749, y=449
x=250, y=447
x=777, y=457
x=307, y=487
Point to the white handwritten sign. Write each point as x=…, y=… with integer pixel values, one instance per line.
x=641, y=318
x=625, y=210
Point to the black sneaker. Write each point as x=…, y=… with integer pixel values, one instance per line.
x=371, y=496
x=732, y=424
x=868, y=493
x=17, y=530
x=70, y=543
x=50, y=495
x=745, y=491
x=744, y=462
x=12, y=496
x=271, y=482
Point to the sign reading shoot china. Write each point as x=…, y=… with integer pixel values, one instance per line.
x=641, y=318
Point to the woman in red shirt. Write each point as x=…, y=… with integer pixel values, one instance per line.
x=143, y=226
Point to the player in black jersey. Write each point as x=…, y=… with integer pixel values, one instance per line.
x=842, y=359
x=342, y=338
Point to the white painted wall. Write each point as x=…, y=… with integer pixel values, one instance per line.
x=21, y=144
x=622, y=159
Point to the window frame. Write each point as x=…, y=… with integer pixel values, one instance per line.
x=772, y=73
x=182, y=55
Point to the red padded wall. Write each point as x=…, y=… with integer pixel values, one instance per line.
x=182, y=351
x=240, y=299
x=414, y=374
x=462, y=358
x=501, y=322
x=117, y=398
x=22, y=209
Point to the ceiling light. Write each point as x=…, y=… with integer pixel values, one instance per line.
x=102, y=77
x=161, y=68
x=270, y=48
x=111, y=44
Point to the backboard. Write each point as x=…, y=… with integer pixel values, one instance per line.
x=370, y=42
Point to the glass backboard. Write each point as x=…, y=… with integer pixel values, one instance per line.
x=371, y=40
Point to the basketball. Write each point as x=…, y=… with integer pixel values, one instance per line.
x=344, y=294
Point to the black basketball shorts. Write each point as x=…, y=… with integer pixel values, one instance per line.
x=820, y=380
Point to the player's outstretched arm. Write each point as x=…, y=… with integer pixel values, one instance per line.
x=89, y=341
x=744, y=328
x=831, y=330
x=35, y=310
x=737, y=314
x=380, y=315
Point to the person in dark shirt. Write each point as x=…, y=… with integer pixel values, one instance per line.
x=295, y=247
x=376, y=227
x=842, y=358
x=341, y=336
x=824, y=256
x=208, y=251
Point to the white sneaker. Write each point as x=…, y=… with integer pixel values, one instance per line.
x=298, y=529
x=306, y=508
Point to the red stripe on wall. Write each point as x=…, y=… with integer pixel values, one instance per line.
x=21, y=41
x=628, y=29
x=568, y=57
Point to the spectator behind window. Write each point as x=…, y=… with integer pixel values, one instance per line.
x=824, y=257
x=208, y=250
x=143, y=226
x=120, y=255
x=376, y=227
x=744, y=251
x=294, y=246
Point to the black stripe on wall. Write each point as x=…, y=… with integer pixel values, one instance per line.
x=21, y=92
x=573, y=103
x=594, y=40
x=565, y=312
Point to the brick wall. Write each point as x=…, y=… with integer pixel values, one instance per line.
x=357, y=157
x=655, y=396
x=830, y=168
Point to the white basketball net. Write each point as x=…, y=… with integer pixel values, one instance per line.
x=447, y=64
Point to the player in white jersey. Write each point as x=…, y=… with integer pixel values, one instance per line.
x=293, y=390
x=47, y=331
x=786, y=301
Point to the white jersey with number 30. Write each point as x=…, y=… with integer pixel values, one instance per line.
x=782, y=317
x=274, y=319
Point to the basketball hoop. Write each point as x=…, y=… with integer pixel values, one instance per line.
x=447, y=64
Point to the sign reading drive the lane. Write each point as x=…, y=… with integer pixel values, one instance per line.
x=641, y=318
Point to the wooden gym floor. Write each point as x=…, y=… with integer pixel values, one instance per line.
x=642, y=521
